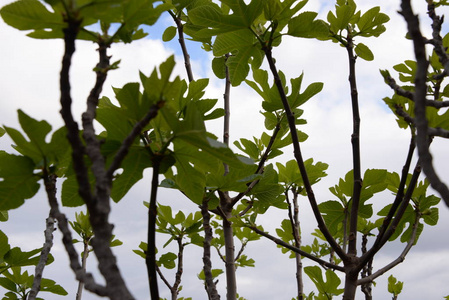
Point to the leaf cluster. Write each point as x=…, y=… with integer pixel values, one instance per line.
x=16, y=282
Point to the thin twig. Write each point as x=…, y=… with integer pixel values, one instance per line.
x=181, y=40
x=179, y=271
x=48, y=233
x=79, y=292
x=297, y=250
x=128, y=141
x=410, y=95
x=368, y=256
x=161, y=275
x=392, y=225
x=400, y=259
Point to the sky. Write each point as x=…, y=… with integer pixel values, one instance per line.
x=29, y=72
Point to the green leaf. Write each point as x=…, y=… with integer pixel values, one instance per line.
x=333, y=213
x=282, y=12
x=330, y=287
x=168, y=260
x=3, y=215
x=219, y=67
x=364, y=52
x=4, y=246
x=344, y=14
x=139, y=12
x=18, y=180
x=235, y=180
x=169, y=33
x=30, y=15
x=268, y=190
x=116, y=121
x=36, y=147
x=243, y=45
x=286, y=231
x=304, y=25
x=137, y=160
x=2, y=132
x=249, y=148
x=244, y=261
x=210, y=16
x=48, y=285
x=248, y=13
x=189, y=180
x=70, y=195
x=371, y=23
x=394, y=286
x=16, y=258
x=142, y=253
x=215, y=274
x=431, y=216
x=8, y=284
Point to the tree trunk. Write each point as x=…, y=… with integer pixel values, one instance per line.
x=350, y=284
x=231, y=282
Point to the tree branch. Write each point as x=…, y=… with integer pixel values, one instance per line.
x=48, y=233
x=128, y=141
x=422, y=139
x=400, y=259
x=259, y=170
x=298, y=156
x=73, y=136
x=102, y=186
x=355, y=141
x=150, y=259
x=179, y=271
x=80, y=274
x=401, y=210
x=398, y=199
x=161, y=275
x=297, y=250
x=410, y=95
x=181, y=40
x=294, y=221
x=389, y=225
x=437, y=40
x=98, y=205
x=227, y=109
x=210, y=286
x=79, y=293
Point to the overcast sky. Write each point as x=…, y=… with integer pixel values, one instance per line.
x=29, y=72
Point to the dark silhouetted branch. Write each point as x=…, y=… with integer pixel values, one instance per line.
x=298, y=156
x=297, y=250
x=210, y=286
x=400, y=259
x=422, y=139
